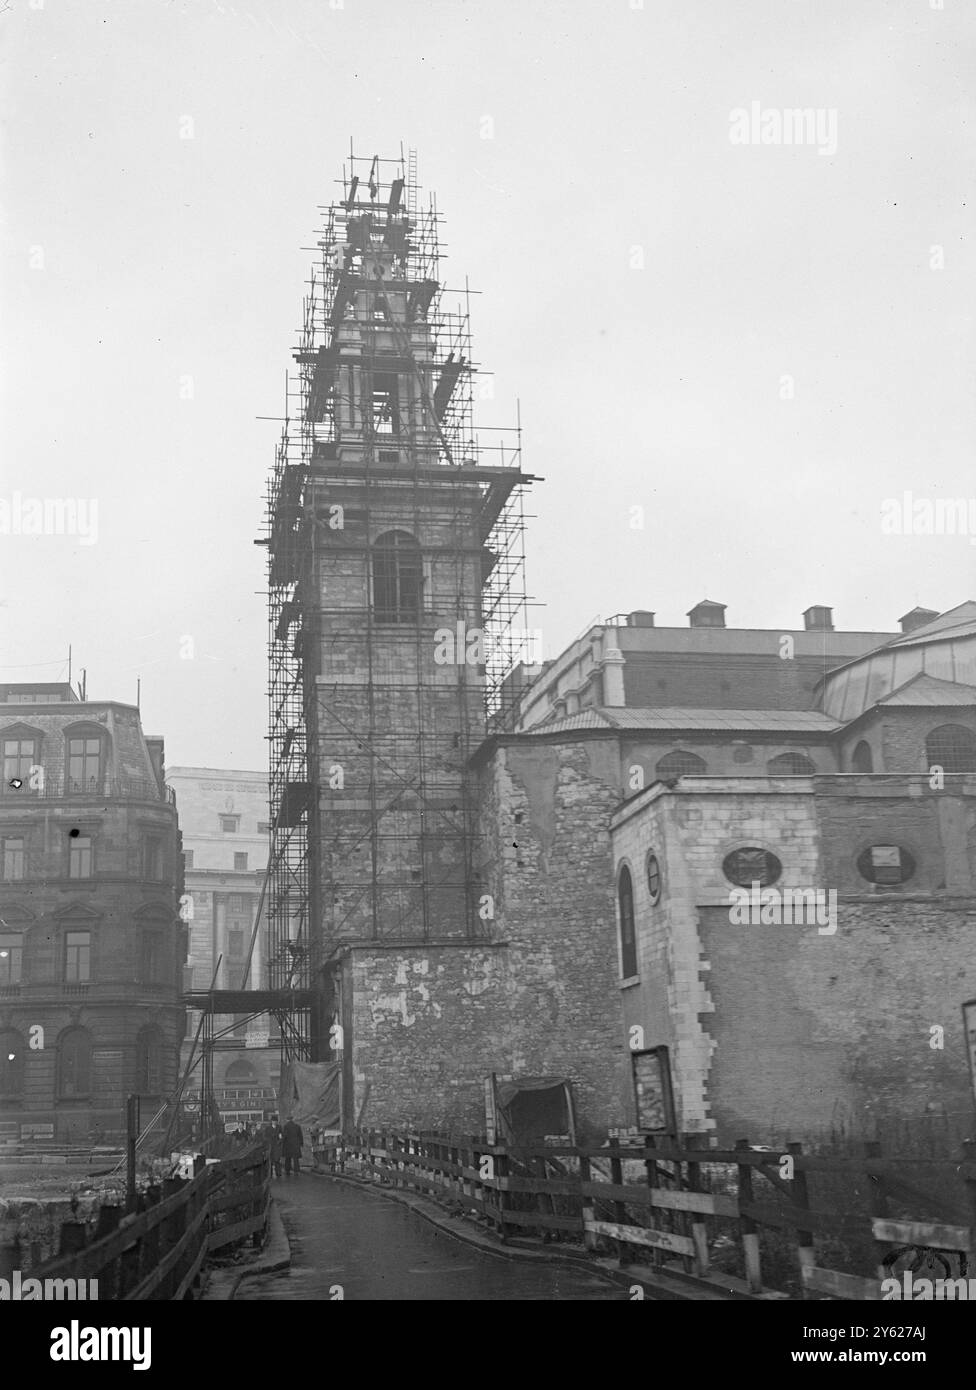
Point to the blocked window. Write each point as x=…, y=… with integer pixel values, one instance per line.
x=13, y=857
x=628, y=935
x=886, y=865
x=149, y=1056
x=74, y=1064
x=750, y=865
x=952, y=747
x=678, y=764
x=790, y=765
x=862, y=759
x=152, y=857
x=230, y=824
x=397, y=578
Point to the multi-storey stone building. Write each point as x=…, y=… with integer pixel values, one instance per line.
x=225, y=830
x=91, y=942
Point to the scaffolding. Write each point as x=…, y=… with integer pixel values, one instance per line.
x=392, y=527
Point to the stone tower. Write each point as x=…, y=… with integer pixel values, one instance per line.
x=395, y=561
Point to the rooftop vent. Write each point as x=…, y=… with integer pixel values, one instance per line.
x=818, y=619
x=707, y=614
x=641, y=617
x=918, y=617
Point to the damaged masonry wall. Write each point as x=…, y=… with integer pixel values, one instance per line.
x=425, y=1025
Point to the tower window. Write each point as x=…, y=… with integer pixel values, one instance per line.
x=628, y=939
x=397, y=578
x=386, y=405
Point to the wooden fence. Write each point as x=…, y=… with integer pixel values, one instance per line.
x=697, y=1210
x=157, y=1253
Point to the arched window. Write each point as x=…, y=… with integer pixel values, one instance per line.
x=149, y=1058
x=397, y=578
x=11, y=1063
x=790, y=765
x=677, y=764
x=951, y=747
x=628, y=938
x=74, y=1064
x=862, y=759
x=239, y=1073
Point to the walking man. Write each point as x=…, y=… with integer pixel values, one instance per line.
x=272, y=1135
x=291, y=1145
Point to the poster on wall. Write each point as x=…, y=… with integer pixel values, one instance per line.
x=652, y=1090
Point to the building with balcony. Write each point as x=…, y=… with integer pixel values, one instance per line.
x=91, y=942
x=224, y=824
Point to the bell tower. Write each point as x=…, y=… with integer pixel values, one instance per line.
x=396, y=585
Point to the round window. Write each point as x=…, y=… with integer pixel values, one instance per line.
x=885, y=864
x=653, y=877
x=751, y=865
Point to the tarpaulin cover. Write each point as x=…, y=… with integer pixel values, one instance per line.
x=506, y=1091
x=310, y=1094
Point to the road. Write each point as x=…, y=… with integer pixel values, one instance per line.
x=375, y=1249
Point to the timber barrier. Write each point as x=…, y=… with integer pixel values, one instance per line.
x=158, y=1252
x=681, y=1207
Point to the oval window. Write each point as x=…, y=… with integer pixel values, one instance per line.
x=653, y=877
x=750, y=865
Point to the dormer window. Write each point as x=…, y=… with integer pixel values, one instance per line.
x=86, y=761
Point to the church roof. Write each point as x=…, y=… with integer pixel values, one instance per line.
x=924, y=690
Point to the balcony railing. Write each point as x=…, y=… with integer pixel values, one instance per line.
x=88, y=789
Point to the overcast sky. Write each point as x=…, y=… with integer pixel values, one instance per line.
x=758, y=343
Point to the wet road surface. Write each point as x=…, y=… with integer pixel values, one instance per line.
x=374, y=1248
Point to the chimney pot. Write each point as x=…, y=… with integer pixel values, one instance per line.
x=818, y=619
x=918, y=617
x=708, y=613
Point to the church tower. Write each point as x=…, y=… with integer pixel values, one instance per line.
x=395, y=569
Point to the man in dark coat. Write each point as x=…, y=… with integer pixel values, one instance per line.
x=272, y=1137
x=291, y=1146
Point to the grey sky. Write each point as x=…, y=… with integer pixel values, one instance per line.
x=165, y=258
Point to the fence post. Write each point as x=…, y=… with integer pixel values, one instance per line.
x=587, y=1207
x=750, y=1233
x=699, y=1231
x=619, y=1209
x=878, y=1202
x=654, y=1218
x=805, y=1251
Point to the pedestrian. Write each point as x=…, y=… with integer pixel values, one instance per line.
x=272, y=1134
x=291, y=1146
